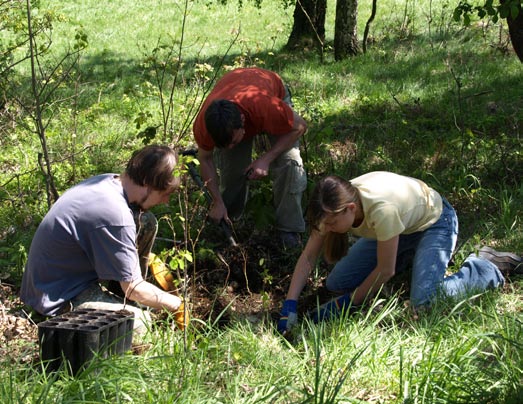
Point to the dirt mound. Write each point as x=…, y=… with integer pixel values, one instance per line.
x=18, y=333
x=225, y=284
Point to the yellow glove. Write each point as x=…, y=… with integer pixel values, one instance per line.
x=165, y=279
x=161, y=273
x=181, y=316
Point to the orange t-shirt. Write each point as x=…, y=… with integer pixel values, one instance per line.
x=258, y=93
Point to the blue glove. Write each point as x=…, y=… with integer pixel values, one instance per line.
x=332, y=309
x=288, y=316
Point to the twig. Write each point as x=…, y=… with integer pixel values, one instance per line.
x=367, y=25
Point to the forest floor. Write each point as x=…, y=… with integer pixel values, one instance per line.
x=248, y=281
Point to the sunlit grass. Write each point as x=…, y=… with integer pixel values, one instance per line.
x=468, y=352
x=443, y=104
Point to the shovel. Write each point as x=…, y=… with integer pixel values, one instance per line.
x=195, y=175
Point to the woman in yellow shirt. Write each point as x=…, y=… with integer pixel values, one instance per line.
x=393, y=216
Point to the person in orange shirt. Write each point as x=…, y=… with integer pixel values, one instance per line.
x=243, y=104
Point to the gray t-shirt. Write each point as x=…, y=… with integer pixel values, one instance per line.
x=88, y=235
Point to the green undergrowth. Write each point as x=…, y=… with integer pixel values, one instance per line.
x=430, y=98
x=458, y=353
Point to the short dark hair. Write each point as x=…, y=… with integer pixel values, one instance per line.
x=154, y=166
x=222, y=117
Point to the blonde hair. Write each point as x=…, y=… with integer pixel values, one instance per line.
x=330, y=196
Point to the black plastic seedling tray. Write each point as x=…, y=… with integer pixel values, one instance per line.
x=80, y=335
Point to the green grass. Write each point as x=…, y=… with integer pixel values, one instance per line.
x=468, y=353
x=444, y=105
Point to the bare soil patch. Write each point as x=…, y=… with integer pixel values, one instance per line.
x=228, y=283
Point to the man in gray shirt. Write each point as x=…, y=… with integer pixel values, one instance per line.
x=90, y=235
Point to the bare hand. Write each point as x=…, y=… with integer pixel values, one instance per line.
x=257, y=170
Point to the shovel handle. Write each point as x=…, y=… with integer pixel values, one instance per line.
x=195, y=175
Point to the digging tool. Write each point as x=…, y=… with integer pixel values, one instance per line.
x=195, y=175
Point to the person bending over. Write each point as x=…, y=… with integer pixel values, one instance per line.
x=100, y=230
x=394, y=217
x=246, y=103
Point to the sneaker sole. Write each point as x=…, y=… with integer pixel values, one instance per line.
x=506, y=258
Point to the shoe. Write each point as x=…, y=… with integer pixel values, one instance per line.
x=290, y=239
x=508, y=263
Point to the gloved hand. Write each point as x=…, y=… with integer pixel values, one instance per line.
x=162, y=274
x=288, y=316
x=332, y=309
x=182, y=316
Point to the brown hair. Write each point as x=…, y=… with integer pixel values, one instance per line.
x=331, y=195
x=154, y=166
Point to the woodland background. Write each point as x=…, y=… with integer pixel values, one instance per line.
x=411, y=89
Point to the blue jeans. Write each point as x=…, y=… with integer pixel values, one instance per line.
x=431, y=252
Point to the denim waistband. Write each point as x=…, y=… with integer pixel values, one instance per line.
x=446, y=203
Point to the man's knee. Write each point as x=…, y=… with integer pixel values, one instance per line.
x=146, y=222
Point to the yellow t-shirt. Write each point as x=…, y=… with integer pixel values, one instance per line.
x=395, y=204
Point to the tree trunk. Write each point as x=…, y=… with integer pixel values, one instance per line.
x=346, y=29
x=515, y=29
x=309, y=24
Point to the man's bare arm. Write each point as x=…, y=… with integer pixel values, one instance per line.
x=149, y=295
x=218, y=210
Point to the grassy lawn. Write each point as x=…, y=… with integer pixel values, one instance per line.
x=430, y=98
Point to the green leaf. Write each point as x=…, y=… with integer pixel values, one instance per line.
x=456, y=15
x=514, y=11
